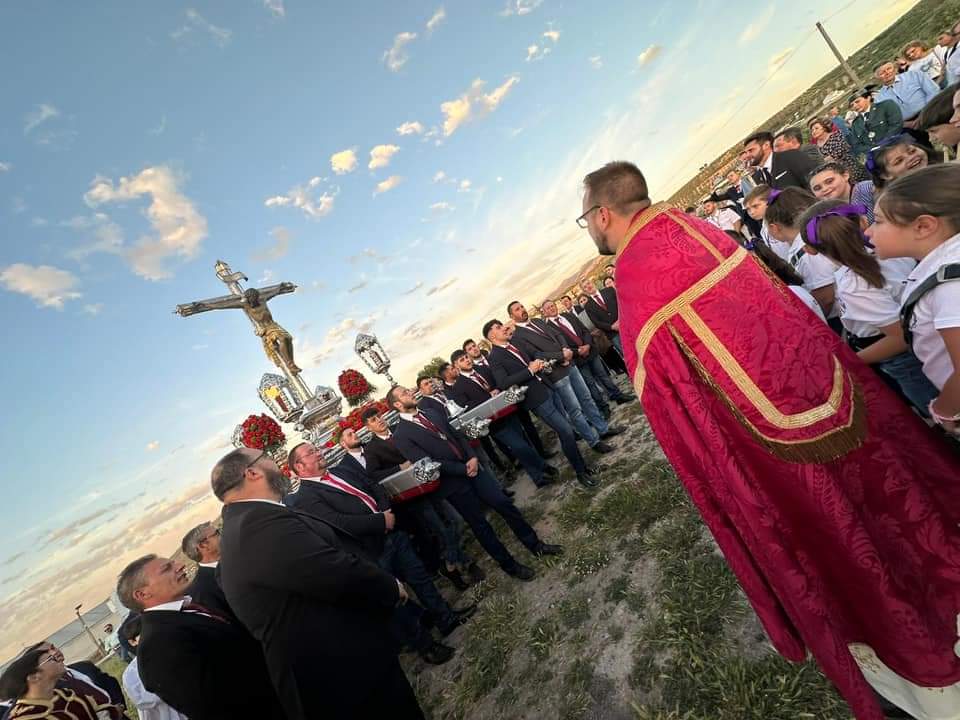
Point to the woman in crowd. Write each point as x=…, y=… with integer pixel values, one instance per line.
x=784, y=209
x=941, y=117
x=835, y=147
x=918, y=217
x=831, y=181
x=868, y=294
x=923, y=60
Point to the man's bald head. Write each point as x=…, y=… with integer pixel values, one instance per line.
x=619, y=186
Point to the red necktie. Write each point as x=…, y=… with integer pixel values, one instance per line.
x=516, y=352
x=537, y=330
x=331, y=481
x=425, y=421
x=478, y=379
x=573, y=338
x=193, y=607
x=599, y=300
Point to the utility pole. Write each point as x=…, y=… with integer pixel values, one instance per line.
x=846, y=66
x=88, y=630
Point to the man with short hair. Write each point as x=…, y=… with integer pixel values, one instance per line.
x=723, y=218
x=910, y=90
x=874, y=123
x=466, y=484
x=318, y=607
x=539, y=340
x=600, y=305
x=202, y=545
x=791, y=138
x=779, y=170
x=200, y=662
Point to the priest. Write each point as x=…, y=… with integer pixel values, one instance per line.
x=835, y=506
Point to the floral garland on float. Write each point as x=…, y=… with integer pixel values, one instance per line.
x=261, y=432
x=354, y=386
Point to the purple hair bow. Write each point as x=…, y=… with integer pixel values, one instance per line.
x=774, y=194
x=847, y=211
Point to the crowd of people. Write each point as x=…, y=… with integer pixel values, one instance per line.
x=304, y=597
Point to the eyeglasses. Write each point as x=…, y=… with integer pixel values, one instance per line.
x=255, y=460
x=54, y=656
x=214, y=534
x=582, y=220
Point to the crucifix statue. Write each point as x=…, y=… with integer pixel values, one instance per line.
x=277, y=342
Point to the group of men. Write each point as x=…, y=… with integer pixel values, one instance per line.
x=301, y=602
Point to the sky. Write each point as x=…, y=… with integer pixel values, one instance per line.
x=411, y=167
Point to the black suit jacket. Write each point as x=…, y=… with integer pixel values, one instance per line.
x=546, y=346
x=205, y=668
x=582, y=336
x=487, y=371
x=429, y=402
x=383, y=458
x=604, y=318
x=509, y=371
x=319, y=612
x=790, y=168
x=467, y=393
x=416, y=442
x=205, y=590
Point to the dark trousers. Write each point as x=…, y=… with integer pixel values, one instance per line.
x=486, y=442
x=601, y=376
x=401, y=561
x=530, y=430
x=510, y=432
x=473, y=498
x=552, y=416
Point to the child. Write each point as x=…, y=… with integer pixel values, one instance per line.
x=918, y=216
x=868, y=295
x=755, y=203
x=789, y=277
x=784, y=209
x=831, y=181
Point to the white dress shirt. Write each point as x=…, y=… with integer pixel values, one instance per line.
x=149, y=706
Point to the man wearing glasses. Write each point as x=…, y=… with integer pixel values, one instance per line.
x=202, y=545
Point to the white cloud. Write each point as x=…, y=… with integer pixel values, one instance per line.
x=303, y=198
x=279, y=249
x=410, y=128
x=442, y=207
x=753, y=30
x=649, y=55
x=275, y=7
x=153, y=445
x=396, y=57
x=93, y=308
x=5, y=167
x=195, y=21
x=47, y=286
x=344, y=161
x=777, y=61
x=380, y=156
x=412, y=290
x=179, y=229
x=520, y=7
x=160, y=128
x=39, y=116
x=436, y=19
x=389, y=184
x=473, y=104
x=553, y=35
x=465, y=186
x=499, y=179
x=439, y=176
x=596, y=62
x=197, y=348
x=107, y=235
x=537, y=52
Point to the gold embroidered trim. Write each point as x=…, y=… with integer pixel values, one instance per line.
x=653, y=323
x=753, y=393
x=699, y=237
x=652, y=212
x=822, y=448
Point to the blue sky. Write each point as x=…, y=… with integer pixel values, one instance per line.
x=410, y=166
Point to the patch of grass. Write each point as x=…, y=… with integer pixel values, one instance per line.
x=586, y=556
x=637, y=602
x=114, y=667
x=491, y=637
x=577, y=700
x=617, y=590
x=615, y=632
x=543, y=637
x=508, y=697
x=574, y=611
x=644, y=671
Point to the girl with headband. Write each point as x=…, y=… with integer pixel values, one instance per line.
x=831, y=181
x=918, y=217
x=868, y=295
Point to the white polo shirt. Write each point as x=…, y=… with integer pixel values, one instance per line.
x=724, y=218
x=864, y=309
x=938, y=310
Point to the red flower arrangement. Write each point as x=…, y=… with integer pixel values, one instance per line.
x=354, y=387
x=285, y=469
x=261, y=432
x=353, y=421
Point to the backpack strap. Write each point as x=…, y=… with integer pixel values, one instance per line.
x=946, y=273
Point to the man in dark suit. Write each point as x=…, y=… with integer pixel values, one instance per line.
x=302, y=588
x=580, y=341
x=202, y=545
x=779, y=170
x=472, y=389
x=538, y=339
x=482, y=365
x=346, y=497
x=463, y=481
x=199, y=662
x=603, y=311
x=432, y=395
x=512, y=367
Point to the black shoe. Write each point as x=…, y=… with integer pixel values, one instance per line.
x=605, y=412
x=436, y=653
x=588, y=481
x=458, y=618
x=508, y=493
x=623, y=400
x=549, y=455
x=602, y=448
x=550, y=471
x=456, y=578
x=547, y=549
x=612, y=431
x=521, y=572
x=476, y=572
x=547, y=481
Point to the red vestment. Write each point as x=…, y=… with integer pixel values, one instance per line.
x=835, y=506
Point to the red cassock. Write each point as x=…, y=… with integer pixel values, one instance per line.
x=835, y=506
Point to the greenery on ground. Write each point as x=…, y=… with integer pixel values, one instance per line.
x=114, y=666
x=640, y=619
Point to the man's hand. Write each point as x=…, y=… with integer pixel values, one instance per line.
x=494, y=392
x=473, y=467
x=403, y=594
x=389, y=520
x=567, y=354
x=535, y=366
x=616, y=326
x=583, y=350
x=405, y=464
